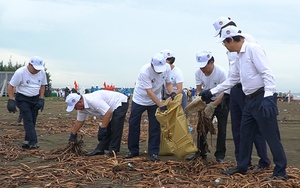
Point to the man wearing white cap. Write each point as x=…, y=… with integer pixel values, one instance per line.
x=30, y=82
x=111, y=106
x=237, y=102
x=176, y=77
x=147, y=96
x=207, y=76
x=260, y=111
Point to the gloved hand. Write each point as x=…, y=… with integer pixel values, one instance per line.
x=40, y=104
x=172, y=95
x=225, y=101
x=11, y=106
x=73, y=138
x=206, y=95
x=210, y=109
x=102, y=132
x=268, y=106
x=163, y=108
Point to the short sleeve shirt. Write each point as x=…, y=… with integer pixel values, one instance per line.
x=26, y=83
x=149, y=79
x=99, y=102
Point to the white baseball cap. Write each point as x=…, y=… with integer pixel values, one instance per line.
x=159, y=63
x=167, y=53
x=37, y=63
x=202, y=57
x=221, y=22
x=72, y=99
x=229, y=31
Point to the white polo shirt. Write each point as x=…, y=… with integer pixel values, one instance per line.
x=99, y=102
x=26, y=83
x=149, y=79
x=217, y=76
x=176, y=77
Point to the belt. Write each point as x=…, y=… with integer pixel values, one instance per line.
x=239, y=85
x=257, y=92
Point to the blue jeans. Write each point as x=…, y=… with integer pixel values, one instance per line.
x=29, y=111
x=135, y=127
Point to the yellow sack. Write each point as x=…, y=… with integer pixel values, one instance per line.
x=176, y=139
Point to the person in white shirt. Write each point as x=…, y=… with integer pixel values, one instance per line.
x=176, y=77
x=254, y=72
x=207, y=76
x=30, y=82
x=111, y=106
x=237, y=102
x=147, y=96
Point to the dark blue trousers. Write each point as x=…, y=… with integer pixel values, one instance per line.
x=252, y=122
x=112, y=140
x=135, y=127
x=29, y=111
x=237, y=103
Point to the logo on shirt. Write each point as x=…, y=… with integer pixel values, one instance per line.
x=39, y=81
x=172, y=78
x=153, y=80
x=215, y=83
x=27, y=81
x=220, y=23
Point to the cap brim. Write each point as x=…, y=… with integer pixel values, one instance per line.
x=217, y=32
x=160, y=68
x=200, y=65
x=38, y=67
x=70, y=108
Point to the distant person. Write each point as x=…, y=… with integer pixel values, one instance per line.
x=176, y=77
x=67, y=92
x=111, y=107
x=237, y=102
x=254, y=72
x=193, y=91
x=147, y=97
x=30, y=82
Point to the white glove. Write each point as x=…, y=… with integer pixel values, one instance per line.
x=210, y=109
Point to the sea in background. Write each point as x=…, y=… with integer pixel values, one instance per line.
x=296, y=96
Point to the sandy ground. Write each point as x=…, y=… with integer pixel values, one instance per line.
x=54, y=124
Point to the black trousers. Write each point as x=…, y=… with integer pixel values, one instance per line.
x=29, y=111
x=112, y=141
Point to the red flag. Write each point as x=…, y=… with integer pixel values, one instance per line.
x=75, y=85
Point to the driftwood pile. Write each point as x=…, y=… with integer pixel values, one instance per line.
x=69, y=167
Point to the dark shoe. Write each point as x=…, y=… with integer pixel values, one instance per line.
x=259, y=168
x=220, y=160
x=95, y=152
x=195, y=156
x=130, y=155
x=25, y=144
x=154, y=158
x=284, y=178
x=233, y=170
x=33, y=146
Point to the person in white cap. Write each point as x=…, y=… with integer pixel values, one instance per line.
x=176, y=78
x=207, y=76
x=111, y=106
x=237, y=102
x=254, y=72
x=30, y=82
x=147, y=96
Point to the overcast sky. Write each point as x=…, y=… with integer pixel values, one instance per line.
x=96, y=41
